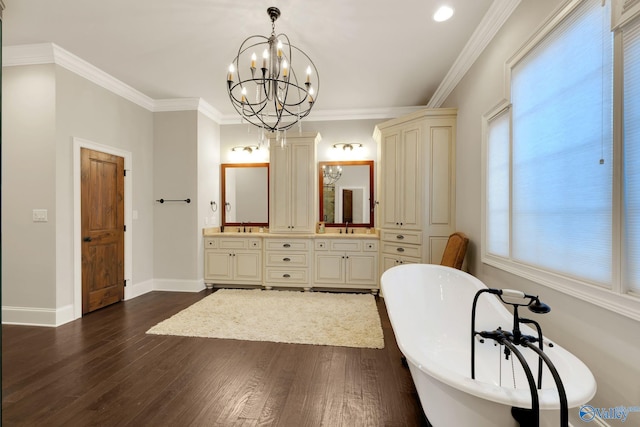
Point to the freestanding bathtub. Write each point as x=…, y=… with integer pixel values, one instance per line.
x=430, y=311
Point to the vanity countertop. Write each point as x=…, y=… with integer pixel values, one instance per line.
x=359, y=233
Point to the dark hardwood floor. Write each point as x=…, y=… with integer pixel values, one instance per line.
x=104, y=370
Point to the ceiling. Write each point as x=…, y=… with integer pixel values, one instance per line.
x=369, y=55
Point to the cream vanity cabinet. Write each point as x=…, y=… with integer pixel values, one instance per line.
x=288, y=262
x=400, y=247
x=416, y=186
x=346, y=263
x=292, y=184
x=233, y=260
x=401, y=149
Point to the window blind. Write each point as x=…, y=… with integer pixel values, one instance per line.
x=497, y=184
x=561, y=93
x=631, y=156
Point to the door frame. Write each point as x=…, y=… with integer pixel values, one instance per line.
x=78, y=144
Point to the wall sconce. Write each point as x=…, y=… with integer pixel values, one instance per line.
x=245, y=148
x=347, y=147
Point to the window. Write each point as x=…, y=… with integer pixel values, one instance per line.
x=551, y=206
x=631, y=155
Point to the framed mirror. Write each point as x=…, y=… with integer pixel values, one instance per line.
x=245, y=194
x=346, y=193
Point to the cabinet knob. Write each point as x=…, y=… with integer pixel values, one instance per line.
x=286, y=275
x=399, y=237
x=400, y=249
x=286, y=259
x=286, y=245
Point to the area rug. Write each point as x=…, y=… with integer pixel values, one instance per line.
x=320, y=318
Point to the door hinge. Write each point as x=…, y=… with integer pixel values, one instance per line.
x=125, y=283
x=125, y=228
x=125, y=172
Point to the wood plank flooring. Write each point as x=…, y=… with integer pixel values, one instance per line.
x=103, y=370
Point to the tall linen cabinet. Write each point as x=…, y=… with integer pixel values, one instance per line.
x=292, y=184
x=416, y=186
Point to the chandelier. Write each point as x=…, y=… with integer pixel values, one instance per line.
x=269, y=93
x=331, y=176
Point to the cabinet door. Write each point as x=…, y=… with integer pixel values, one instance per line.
x=329, y=268
x=390, y=180
x=362, y=269
x=248, y=266
x=402, y=177
x=410, y=190
x=292, y=187
x=279, y=192
x=303, y=191
x=218, y=266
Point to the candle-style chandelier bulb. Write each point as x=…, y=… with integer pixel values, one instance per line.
x=281, y=100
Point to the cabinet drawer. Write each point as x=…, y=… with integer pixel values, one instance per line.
x=288, y=259
x=402, y=250
x=346, y=245
x=210, y=243
x=411, y=237
x=287, y=275
x=287, y=245
x=233, y=243
x=321, y=245
x=370, y=246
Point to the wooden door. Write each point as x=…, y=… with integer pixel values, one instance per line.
x=102, y=211
x=347, y=206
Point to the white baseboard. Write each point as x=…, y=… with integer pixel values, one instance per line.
x=173, y=285
x=137, y=289
x=52, y=317
x=33, y=316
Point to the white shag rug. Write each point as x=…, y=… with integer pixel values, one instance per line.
x=348, y=320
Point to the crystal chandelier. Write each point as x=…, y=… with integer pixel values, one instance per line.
x=331, y=176
x=268, y=92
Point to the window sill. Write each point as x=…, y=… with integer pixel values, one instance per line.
x=624, y=304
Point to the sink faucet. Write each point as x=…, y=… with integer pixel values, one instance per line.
x=346, y=227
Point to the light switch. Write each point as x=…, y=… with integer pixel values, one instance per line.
x=40, y=215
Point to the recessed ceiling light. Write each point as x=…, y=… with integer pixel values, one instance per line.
x=443, y=13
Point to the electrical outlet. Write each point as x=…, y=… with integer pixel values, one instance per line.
x=40, y=215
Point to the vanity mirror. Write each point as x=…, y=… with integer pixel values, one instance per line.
x=245, y=194
x=346, y=193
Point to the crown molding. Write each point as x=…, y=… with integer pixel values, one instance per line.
x=28, y=54
x=493, y=20
x=50, y=53
x=188, y=104
x=337, y=115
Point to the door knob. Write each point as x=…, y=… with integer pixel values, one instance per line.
x=87, y=239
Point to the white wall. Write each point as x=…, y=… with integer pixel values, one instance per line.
x=176, y=178
x=28, y=168
x=332, y=132
x=208, y=181
x=44, y=108
x=605, y=341
x=85, y=110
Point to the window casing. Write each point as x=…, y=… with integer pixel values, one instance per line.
x=553, y=193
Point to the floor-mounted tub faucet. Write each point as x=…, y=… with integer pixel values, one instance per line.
x=515, y=338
